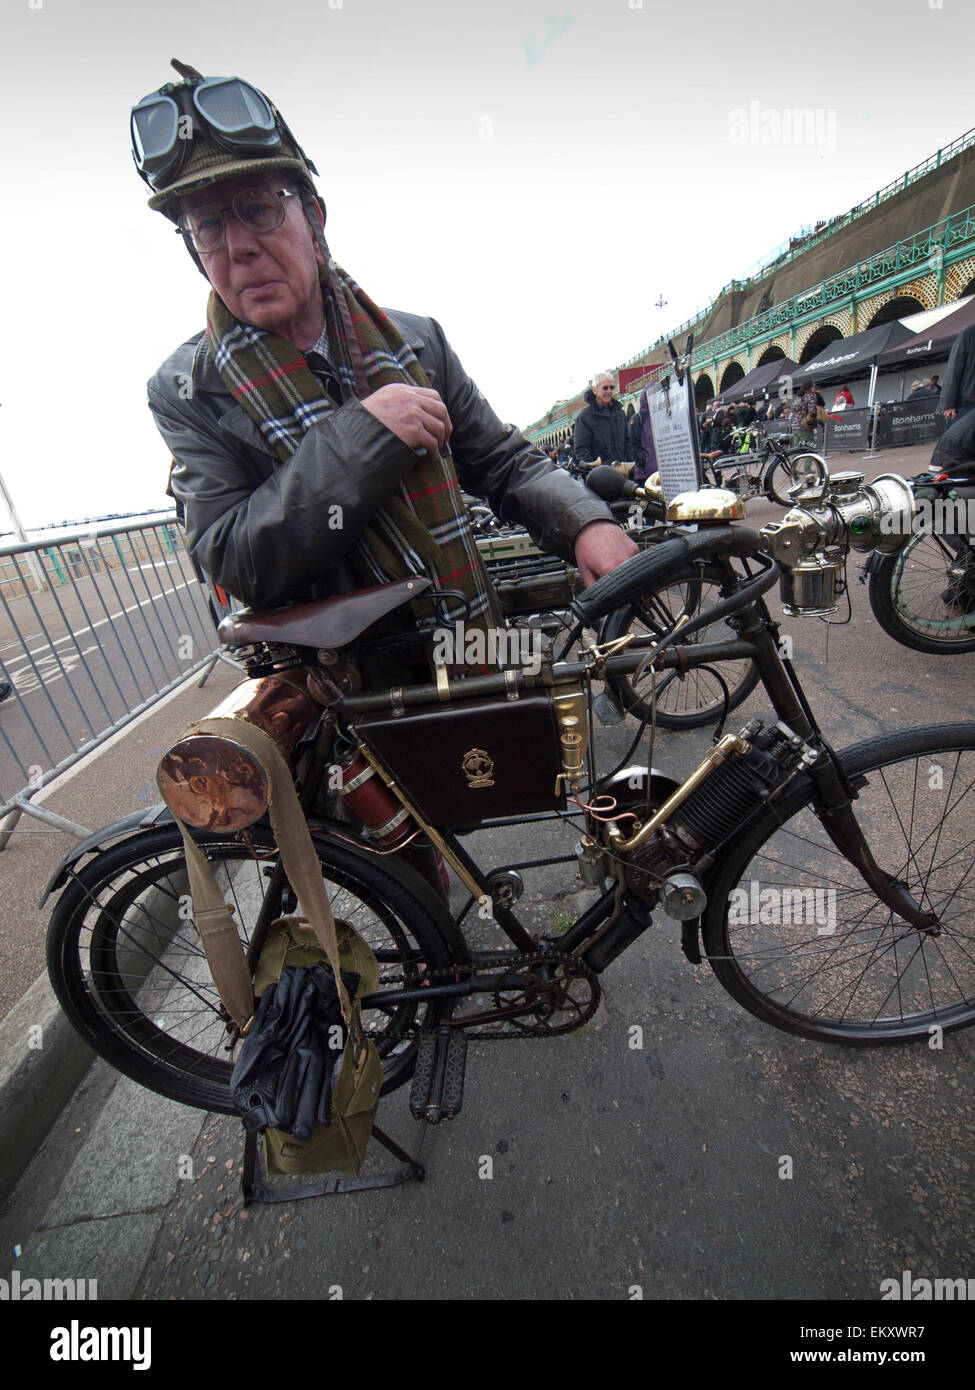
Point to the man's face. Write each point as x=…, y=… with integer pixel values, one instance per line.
x=270, y=279
x=603, y=391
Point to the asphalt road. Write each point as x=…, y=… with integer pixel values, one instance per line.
x=722, y=1160
x=82, y=657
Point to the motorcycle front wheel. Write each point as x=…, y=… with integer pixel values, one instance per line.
x=799, y=939
x=126, y=963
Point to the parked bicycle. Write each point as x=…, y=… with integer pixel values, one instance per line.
x=768, y=467
x=736, y=855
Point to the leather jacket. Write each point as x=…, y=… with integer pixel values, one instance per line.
x=265, y=530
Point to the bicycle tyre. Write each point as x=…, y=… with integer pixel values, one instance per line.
x=868, y=980
x=697, y=699
x=130, y=973
x=905, y=596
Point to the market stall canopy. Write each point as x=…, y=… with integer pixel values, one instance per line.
x=845, y=357
x=934, y=341
x=759, y=379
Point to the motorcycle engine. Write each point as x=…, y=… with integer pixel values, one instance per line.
x=660, y=867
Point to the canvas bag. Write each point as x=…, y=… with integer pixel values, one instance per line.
x=341, y=1145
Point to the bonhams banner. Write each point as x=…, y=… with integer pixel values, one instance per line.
x=848, y=429
x=910, y=422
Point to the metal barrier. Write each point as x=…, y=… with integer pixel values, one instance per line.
x=95, y=627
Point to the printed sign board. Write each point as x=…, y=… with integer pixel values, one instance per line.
x=674, y=425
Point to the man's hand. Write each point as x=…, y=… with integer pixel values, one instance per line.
x=600, y=547
x=415, y=414
x=950, y=413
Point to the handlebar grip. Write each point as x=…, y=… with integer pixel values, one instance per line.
x=628, y=581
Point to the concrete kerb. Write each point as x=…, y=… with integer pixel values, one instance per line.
x=43, y=1059
x=42, y=1062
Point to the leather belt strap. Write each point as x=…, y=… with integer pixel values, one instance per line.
x=214, y=917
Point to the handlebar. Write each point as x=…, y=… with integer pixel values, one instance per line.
x=627, y=581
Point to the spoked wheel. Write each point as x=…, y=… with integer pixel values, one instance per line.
x=924, y=596
x=688, y=701
x=797, y=936
x=127, y=965
x=797, y=467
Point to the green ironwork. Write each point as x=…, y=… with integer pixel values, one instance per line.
x=780, y=257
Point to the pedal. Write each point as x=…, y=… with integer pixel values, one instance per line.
x=437, y=1091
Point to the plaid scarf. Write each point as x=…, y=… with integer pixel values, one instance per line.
x=424, y=527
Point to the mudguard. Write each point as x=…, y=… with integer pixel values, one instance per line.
x=160, y=813
x=126, y=825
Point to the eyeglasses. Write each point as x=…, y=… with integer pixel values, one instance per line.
x=236, y=115
x=260, y=210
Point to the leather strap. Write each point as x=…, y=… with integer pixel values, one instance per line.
x=214, y=917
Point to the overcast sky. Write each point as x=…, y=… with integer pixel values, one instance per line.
x=532, y=174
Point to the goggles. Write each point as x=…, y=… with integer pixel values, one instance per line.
x=235, y=116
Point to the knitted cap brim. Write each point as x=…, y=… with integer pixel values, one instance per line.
x=222, y=168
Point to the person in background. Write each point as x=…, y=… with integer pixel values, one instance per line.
x=803, y=417
x=600, y=429
x=634, y=426
x=958, y=387
x=704, y=431
x=844, y=398
x=646, y=469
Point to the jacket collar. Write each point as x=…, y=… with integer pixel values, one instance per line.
x=207, y=378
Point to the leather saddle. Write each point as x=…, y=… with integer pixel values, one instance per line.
x=325, y=623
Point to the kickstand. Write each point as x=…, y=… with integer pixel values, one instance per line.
x=254, y=1187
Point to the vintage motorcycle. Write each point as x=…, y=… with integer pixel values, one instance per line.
x=734, y=858
x=923, y=595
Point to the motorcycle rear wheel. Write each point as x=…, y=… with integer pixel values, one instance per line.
x=126, y=962
x=907, y=595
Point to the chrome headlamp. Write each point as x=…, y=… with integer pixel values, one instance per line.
x=844, y=513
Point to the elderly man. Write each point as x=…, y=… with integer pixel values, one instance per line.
x=601, y=427
x=318, y=439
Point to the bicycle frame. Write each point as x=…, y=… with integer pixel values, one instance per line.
x=604, y=930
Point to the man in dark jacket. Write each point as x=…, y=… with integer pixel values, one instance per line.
x=958, y=385
x=318, y=439
x=600, y=428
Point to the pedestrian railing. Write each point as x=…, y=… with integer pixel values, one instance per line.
x=95, y=627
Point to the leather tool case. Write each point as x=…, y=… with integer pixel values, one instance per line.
x=471, y=760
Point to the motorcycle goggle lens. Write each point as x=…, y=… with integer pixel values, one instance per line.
x=236, y=114
x=155, y=127
x=236, y=111
x=259, y=209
